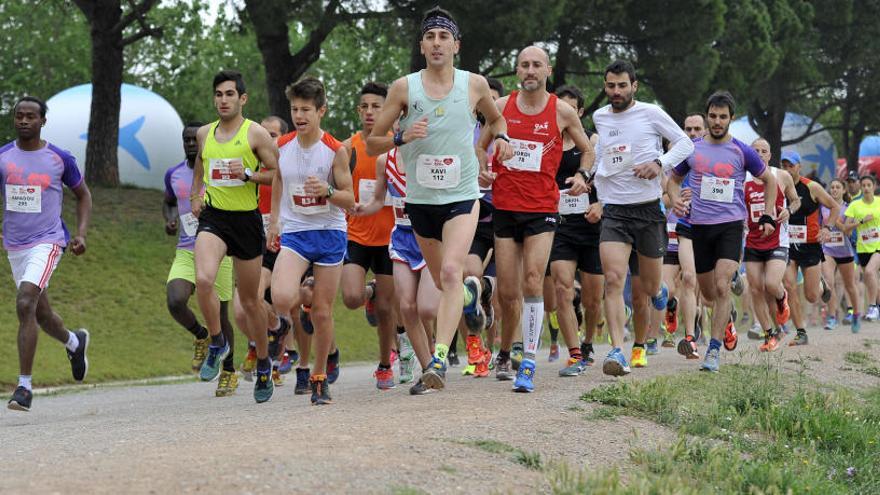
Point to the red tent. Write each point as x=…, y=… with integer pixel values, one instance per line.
x=867, y=165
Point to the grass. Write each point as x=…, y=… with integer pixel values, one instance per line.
x=749, y=429
x=117, y=291
x=531, y=460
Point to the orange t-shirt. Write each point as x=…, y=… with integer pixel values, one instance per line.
x=374, y=230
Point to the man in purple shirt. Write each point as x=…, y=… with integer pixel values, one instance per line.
x=717, y=211
x=34, y=236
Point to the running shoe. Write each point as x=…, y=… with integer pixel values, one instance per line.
x=320, y=390
x=277, y=379
x=554, y=353
x=211, y=366
x=687, y=347
x=712, y=361
x=502, y=369
x=615, y=363
x=333, y=367
x=659, y=301
x=264, y=386
x=291, y=357
x=370, y=305
x=574, y=368
x=730, y=337
x=755, y=332
x=771, y=342
x=639, y=358
x=799, y=339
x=21, y=399
x=302, y=381
x=434, y=376
x=276, y=338
x=419, y=388
x=671, y=318
x=486, y=301
x=407, y=358
x=452, y=359
x=848, y=319
x=856, y=323
x=516, y=355
x=524, y=377
x=830, y=323
x=668, y=340
x=873, y=314
x=227, y=384
x=481, y=369
x=79, y=361
x=384, y=378
x=737, y=284
x=474, y=346
x=587, y=352
x=249, y=364
x=651, y=347
x=200, y=352
x=473, y=312
x=783, y=311
x=468, y=370
x=305, y=319
x=826, y=291
x=578, y=309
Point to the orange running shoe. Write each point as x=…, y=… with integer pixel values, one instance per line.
x=730, y=338
x=474, y=349
x=481, y=368
x=771, y=343
x=672, y=320
x=783, y=311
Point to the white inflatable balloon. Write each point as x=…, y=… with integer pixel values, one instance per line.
x=818, y=152
x=149, y=132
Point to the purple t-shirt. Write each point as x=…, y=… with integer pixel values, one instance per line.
x=178, y=184
x=718, y=172
x=839, y=245
x=32, y=195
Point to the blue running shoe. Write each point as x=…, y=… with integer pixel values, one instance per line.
x=848, y=319
x=651, y=347
x=333, y=367
x=830, y=323
x=434, y=376
x=302, y=381
x=574, y=368
x=856, y=324
x=211, y=366
x=264, y=386
x=474, y=317
x=712, y=361
x=615, y=363
x=659, y=301
x=524, y=377
x=290, y=358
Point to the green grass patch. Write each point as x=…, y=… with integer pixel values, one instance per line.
x=604, y=413
x=531, y=460
x=117, y=291
x=858, y=358
x=748, y=429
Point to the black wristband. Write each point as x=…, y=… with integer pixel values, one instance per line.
x=585, y=175
x=503, y=137
x=767, y=219
x=398, y=138
x=658, y=162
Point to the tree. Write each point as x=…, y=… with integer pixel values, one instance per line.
x=111, y=32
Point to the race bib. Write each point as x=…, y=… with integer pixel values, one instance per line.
x=573, y=205
x=797, y=234
x=618, y=157
x=672, y=234
x=756, y=210
x=221, y=172
x=438, y=171
x=400, y=216
x=190, y=224
x=366, y=190
x=307, y=205
x=835, y=239
x=717, y=189
x=24, y=199
x=869, y=234
x=526, y=155
x=266, y=218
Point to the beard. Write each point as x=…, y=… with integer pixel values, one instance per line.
x=623, y=104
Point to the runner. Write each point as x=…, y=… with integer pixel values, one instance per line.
x=839, y=255
x=718, y=169
x=34, y=172
x=310, y=194
x=182, y=276
x=806, y=238
x=232, y=153
x=436, y=110
x=368, y=239
x=864, y=214
x=631, y=161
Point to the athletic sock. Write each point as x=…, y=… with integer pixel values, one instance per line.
x=586, y=348
x=636, y=344
x=468, y=296
x=672, y=304
x=802, y=331
x=504, y=355
x=198, y=331
x=218, y=340
x=25, y=381
x=714, y=344
x=228, y=364
x=72, y=341
x=264, y=364
x=384, y=367
x=401, y=330
x=532, y=323
x=440, y=352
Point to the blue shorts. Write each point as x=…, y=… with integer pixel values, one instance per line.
x=405, y=249
x=321, y=247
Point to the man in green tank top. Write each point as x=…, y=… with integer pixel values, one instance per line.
x=436, y=107
x=234, y=156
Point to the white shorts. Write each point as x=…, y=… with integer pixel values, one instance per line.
x=35, y=264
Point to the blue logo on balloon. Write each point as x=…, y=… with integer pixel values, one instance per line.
x=129, y=142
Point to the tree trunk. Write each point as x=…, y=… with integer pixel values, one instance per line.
x=270, y=25
x=563, y=57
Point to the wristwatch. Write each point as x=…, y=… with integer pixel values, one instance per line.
x=584, y=174
x=248, y=174
x=658, y=162
x=503, y=137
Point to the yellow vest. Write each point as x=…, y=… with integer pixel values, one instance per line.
x=222, y=191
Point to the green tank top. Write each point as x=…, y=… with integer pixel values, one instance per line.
x=222, y=191
x=443, y=167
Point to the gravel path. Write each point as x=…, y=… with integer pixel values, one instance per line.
x=179, y=438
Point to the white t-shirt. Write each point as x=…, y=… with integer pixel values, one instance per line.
x=630, y=138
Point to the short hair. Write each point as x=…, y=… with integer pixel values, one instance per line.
x=721, y=99
x=375, y=88
x=231, y=75
x=495, y=84
x=621, y=66
x=282, y=124
x=193, y=123
x=308, y=88
x=571, y=92
x=869, y=177
x=702, y=116
x=33, y=99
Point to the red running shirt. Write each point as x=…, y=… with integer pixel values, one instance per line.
x=754, y=196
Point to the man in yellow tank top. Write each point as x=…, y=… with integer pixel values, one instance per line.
x=234, y=156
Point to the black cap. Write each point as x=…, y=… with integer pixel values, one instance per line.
x=852, y=175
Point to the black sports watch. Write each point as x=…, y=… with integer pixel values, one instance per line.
x=248, y=174
x=584, y=174
x=502, y=136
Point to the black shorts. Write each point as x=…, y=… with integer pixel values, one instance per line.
x=375, y=258
x=806, y=254
x=682, y=230
x=241, y=231
x=671, y=258
x=572, y=244
x=716, y=242
x=428, y=220
x=864, y=258
x=843, y=260
x=643, y=226
x=519, y=225
x=484, y=240
x=765, y=255
x=269, y=259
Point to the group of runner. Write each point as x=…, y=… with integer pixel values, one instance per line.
x=516, y=211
